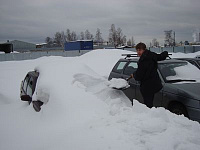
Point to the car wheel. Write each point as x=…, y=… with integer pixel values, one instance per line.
x=178, y=109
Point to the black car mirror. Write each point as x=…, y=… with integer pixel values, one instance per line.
x=26, y=98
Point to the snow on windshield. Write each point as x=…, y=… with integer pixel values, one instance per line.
x=182, y=71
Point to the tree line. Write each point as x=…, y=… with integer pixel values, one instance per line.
x=116, y=37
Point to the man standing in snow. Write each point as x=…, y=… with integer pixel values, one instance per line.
x=147, y=74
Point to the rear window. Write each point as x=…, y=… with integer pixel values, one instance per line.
x=130, y=68
x=119, y=67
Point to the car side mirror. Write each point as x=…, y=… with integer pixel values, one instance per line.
x=26, y=98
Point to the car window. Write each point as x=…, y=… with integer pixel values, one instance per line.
x=29, y=90
x=26, y=82
x=198, y=62
x=130, y=68
x=119, y=67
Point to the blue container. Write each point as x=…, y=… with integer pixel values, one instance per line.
x=79, y=45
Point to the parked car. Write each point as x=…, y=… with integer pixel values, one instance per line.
x=179, y=94
x=28, y=88
x=194, y=61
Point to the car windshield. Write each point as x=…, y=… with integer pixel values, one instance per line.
x=179, y=71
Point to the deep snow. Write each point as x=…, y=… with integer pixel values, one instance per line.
x=82, y=112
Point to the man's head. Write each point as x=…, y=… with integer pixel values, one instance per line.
x=140, y=48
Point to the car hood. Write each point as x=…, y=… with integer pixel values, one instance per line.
x=190, y=90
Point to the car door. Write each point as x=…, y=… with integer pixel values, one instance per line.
x=128, y=70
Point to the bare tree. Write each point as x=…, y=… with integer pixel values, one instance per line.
x=119, y=36
x=155, y=43
x=82, y=36
x=121, y=39
x=98, y=37
x=129, y=42
x=116, y=37
x=74, y=36
x=68, y=35
x=63, y=38
x=112, y=35
x=132, y=41
x=49, y=41
x=88, y=35
x=169, y=41
x=58, y=39
x=71, y=36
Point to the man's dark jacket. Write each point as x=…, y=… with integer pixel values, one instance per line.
x=147, y=74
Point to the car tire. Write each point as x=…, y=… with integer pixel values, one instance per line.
x=178, y=109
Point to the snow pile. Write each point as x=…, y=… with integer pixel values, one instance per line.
x=118, y=83
x=82, y=111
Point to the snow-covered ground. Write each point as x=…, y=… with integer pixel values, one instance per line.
x=82, y=112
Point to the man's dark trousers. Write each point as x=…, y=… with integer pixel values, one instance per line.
x=148, y=99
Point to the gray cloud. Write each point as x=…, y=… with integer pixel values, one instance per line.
x=32, y=21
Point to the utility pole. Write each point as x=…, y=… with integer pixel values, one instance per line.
x=199, y=37
x=174, y=39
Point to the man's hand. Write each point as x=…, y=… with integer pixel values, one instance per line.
x=132, y=76
x=165, y=53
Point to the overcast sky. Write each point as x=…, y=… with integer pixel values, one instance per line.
x=34, y=20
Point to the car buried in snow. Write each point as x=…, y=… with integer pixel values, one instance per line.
x=181, y=88
x=27, y=89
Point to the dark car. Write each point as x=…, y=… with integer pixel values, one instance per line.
x=194, y=61
x=180, y=95
x=28, y=88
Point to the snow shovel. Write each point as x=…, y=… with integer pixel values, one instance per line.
x=119, y=83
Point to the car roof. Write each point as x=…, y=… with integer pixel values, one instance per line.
x=188, y=58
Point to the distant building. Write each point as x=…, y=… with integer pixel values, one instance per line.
x=41, y=45
x=186, y=43
x=6, y=47
x=79, y=45
x=22, y=46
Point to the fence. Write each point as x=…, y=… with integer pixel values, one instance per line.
x=34, y=55
x=182, y=49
